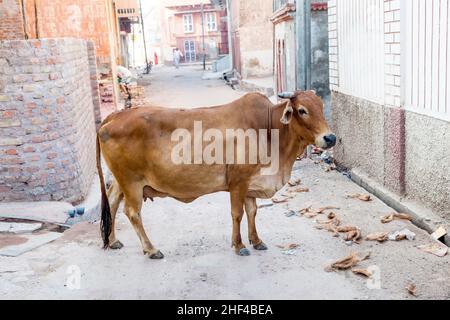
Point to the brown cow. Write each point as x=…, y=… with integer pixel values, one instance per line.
x=137, y=144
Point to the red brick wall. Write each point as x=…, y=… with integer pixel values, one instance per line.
x=47, y=126
x=82, y=19
x=11, y=21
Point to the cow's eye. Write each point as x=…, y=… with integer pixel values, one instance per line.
x=303, y=112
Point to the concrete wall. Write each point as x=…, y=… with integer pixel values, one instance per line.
x=47, y=126
x=401, y=150
x=391, y=143
x=427, y=165
x=252, y=28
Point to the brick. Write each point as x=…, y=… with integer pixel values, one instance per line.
x=9, y=123
x=11, y=152
x=8, y=114
x=52, y=155
x=29, y=149
x=28, y=88
x=6, y=141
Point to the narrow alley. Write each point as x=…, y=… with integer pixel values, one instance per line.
x=195, y=238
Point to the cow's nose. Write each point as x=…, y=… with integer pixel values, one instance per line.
x=330, y=140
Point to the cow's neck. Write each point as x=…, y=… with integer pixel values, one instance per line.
x=291, y=146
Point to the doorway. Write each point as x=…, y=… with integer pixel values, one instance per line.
x=190, y=54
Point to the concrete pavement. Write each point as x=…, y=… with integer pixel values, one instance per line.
x=196, y=239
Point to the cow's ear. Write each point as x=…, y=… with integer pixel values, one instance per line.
x=287, y=114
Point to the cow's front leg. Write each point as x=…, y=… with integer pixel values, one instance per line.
x=251, y=210
x=237, y=212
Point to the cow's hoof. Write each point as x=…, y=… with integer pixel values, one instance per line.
x=244, y=252
x=116, y=245
x=260, y=247
x=157, y=256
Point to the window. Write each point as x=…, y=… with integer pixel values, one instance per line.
x=188, y=22
x=211, y=22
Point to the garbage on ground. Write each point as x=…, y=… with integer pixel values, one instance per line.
x=412, y=289
x=436, y=248
x=329, y=225
x=439, y=233
x=309, y=212
x=362, y=272
x=289, y=252
x=290, y=214
x=362, y=197
x=353, y=236
x=347, y=262
x=299, y=190
x=379, y=236
x=204, y=277
x=280, y=199
x=401, y=235
x=327, y=157
x=295, y=182
x=289, y=249
x=290, y=246
x=265, y=204
x=395, y=216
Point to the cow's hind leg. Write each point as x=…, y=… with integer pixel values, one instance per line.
x=115, y=196
x=251, y=210
x=133, y=206
x=237, y=212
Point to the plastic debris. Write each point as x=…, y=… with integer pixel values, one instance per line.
x=265, y=204
x=290, y=214
x=347, y=262
x=395, y=216
x=436, y=248
x=404, y=234
x=327, y=157
x=379, y=236
x=289, y=249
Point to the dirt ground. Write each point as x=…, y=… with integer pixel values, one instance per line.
x=196, y=240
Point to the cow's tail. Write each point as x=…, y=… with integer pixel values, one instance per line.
x=106, y=220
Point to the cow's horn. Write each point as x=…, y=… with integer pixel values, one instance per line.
x=286, y=95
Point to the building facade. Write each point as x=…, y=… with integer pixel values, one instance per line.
x=187, y=32
x=390, y=81
x=252, y=38
x=288, y=73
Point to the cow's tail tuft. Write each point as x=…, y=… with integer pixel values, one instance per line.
x=106, y=220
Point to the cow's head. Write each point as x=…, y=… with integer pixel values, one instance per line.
x=304, y=112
